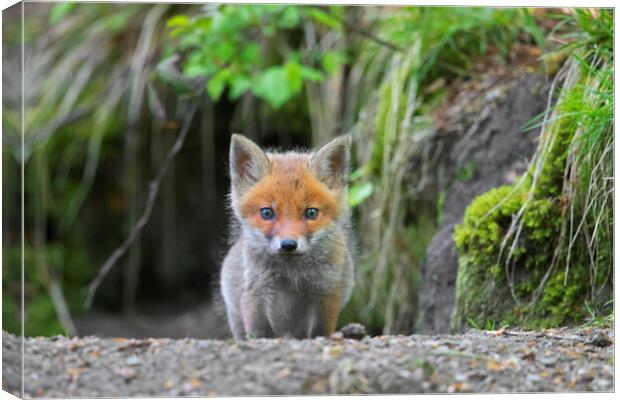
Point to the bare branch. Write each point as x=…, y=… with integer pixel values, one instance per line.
x=372, y=36
x=365, y=33
x=362, y=32
x=146, y=214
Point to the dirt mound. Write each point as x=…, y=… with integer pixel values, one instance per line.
x=483, y=144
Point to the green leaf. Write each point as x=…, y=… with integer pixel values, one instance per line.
x=294, y=75
x=269, y=30
x=196, y=65
x=357, y=174
x=178, y=21
x=186, y=41
x=360, y=192
x=58, y=11
x=273, y=86
x=325, y=18
x=116, y=22
x=290, y=17
x=227, y=23
x=332, y=60
x=311, y=74
x=217, y=84
x=336, y=11
x=224, y=51
x=203, y=24
x=250, y=53
x=239, y=85
x=193, y=70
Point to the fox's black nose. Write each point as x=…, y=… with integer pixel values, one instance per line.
x=288, y=245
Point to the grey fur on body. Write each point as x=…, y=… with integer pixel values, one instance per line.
x=269, y=294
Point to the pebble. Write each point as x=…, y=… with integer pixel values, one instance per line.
x=602, y=385
x=533, y=378
x=354, y=331
x=465, y=344
x=547, y=361
x=599, y=340
x=127, y=373
x=459, y=377
x=133, y=360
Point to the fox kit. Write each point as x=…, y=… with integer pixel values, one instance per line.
x=290, y=271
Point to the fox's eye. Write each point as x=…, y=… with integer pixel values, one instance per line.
x=311, y=213
x=267, y=213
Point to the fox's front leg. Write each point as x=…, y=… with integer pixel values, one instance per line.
x=329, y=308
x=255, y=320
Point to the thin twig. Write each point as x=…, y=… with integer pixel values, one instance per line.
x=61, y=307
x=366, y=34
x=373, y=37
x=45, y=272
x=146, y=214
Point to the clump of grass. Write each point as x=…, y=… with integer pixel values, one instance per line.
x=454, y=37
x=597, y=319
x=392, y=126
x=385, y=297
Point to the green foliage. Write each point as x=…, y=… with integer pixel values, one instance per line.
x=80, y=59
x=386, y=110
x=59, y=11
x=467, y=172
x=360, y=189
x=324, y=18
x=67, y=263
x=539, y=252
x=11, y=313
x=230, y=47
x=69, y=86
x=454, y=37
x=359, y=192
x=598, y=319
x=590, y=30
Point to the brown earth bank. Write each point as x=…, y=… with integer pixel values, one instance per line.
x=559, y=360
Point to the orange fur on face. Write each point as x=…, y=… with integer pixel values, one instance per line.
x=289, y=189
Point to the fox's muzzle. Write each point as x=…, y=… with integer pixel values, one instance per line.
x=288, y=245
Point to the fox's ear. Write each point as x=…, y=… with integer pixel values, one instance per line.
x=331, y=162
x=248, y=163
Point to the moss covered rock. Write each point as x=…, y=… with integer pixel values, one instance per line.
x=498, y=273
x=538, y=253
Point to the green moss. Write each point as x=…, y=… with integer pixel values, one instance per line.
x=483, y=293
x=482, y=290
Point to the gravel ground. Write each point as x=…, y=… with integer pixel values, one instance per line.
x=478, y=361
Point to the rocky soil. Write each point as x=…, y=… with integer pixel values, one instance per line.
x=478, y=361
